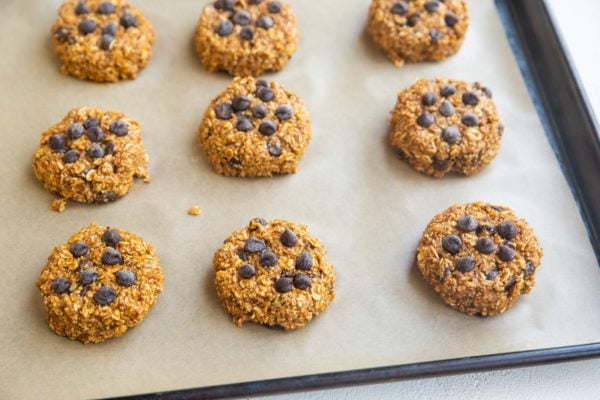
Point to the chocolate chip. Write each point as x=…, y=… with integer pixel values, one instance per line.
x=284, y=284
x=247, y=271
x=435, y=35
x=58, y=143
x=119, y=128
x=529, y=269
x=259, y=111
x=265, y=93
x=109, y=148
x=105, y=197
x=95, y=133
x=432, y=6
x=112, y=257
x=70, y=156
x=81, y=8
x=470, y=99
x=451, y=243
x=105, y=295
x=507, y=230
x=428, y=99
x=467, y=223
x=487, y=92
x=465, y=264
x=95, y=151
x=268, y=259
x=242, y=254
x=304, y=261
x=485, y=246
x=511, y=284
x=254, y=245
x=74, y=131
x=62, y=34
x=451, y=134
x=87, y=26
x=106, y=41
x=127, y=21
x=60, y=285
x=284, y=112
x=302, y=281
x=88, y=123
x=242, y=17
x=125, y=277
x=267, y=127
x=87, y=276
x=505, y=253
x=470, y=119
x=447, y=109
x=274, y=150
x=243, y=124
x=425, y=120
x=261, y=221
x=400, y=8
x=247, y=33
x=447, y=90
x=265, y=22
x=413, y=19
x=224, y=28
x=106, y=8
x=274, y=7
x=234, y=163
x=288, y=238
x=261, y=82
x=110, y=29
x=491, y=274
x=240, y=103
x=255, y=2
x=451, y=19
x=111, y=237
x=227, y=5
x=223, y=111
x=79, y=249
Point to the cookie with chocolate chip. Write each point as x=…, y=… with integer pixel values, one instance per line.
x=418, y=30
x=91, y=156
x=246, y=38
x=273, y=273
x=102, y=40
x=445, y=125
x=479, y=257
x=99, y=284
x=255, y=128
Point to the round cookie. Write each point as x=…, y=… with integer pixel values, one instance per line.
x=91, y=156
x=274, y=274
x=479, y=257
x=100, y=40
x=100, y=283
x=445, y=125
x=246, y=37
x=418, y=30
x=255, y=128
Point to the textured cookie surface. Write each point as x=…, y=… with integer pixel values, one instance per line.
x=274, y=274
x=255, y=128
x=91, y=156
x=246, y=37
x=100, y=40
x=479, y=257
x=445, y=125
x=418, y=30
x=100, y=283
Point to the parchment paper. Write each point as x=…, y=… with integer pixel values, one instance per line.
x=367, y=206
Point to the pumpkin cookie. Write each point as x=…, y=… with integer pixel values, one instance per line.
x=479, y=257
x=100, y=283
x=255, y=128
x=103, y=41
x=444, y=125
x=418, y=30
x=246, y=37
x=274, y=274
x=91, y=156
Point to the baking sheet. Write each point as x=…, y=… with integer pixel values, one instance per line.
x=368, y=207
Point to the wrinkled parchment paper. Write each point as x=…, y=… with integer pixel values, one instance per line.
x=367, y=206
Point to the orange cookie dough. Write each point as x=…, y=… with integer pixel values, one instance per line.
x=444, y=125
x=274, y=274
x=101, y=40
x=100, y=283
x=255, y=128
x=418, y=30
x=246, y=37
x=91, y=156
x=479, y=257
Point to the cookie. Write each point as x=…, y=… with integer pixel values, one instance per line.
x=255, y=128
x=445, y=125
x=274, y=274
x=418, y=30
x=246, y=37
x=100, y=283
x=91, y=156
x=479, y=257
x=103, y=41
